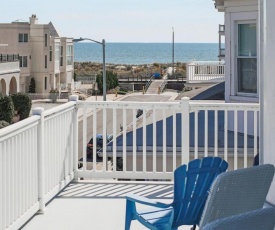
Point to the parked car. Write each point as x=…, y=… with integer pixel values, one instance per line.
x=99, y=144
x=139, y=113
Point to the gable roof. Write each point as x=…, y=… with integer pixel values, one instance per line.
x=53, y=31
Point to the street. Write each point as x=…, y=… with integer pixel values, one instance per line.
x=119, y=117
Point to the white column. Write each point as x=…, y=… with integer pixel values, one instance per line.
x=185, y=113
x=75, y=135
x=267, y=83
x=41, y=159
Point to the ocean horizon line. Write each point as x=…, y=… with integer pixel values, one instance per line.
x=151, y=42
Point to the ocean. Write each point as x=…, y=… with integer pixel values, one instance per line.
x=146, y=53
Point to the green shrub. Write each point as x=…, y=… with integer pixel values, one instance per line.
x=111, y=81
x=22, y=104
x=3, y=124
x=121, y=92
x=6, y=109
x=32, y=86
x=123, y=89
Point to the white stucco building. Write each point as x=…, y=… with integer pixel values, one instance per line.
x=9, y=72
x=43, y=54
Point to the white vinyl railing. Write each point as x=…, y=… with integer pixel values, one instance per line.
x=19, y=173
x=58, y=148
x=40, y=155
x=205, y=71
x=36, y=162
x=166, y=135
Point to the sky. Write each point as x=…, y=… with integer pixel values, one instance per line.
x=194, y=21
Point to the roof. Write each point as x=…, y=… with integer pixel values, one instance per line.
x=169, y=132
x=53, y=31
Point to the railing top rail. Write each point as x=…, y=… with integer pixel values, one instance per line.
x=60, y=109
x=207, y=62
x=17, y=127
x=199, y=105
x=132, y=105
x=223, y=105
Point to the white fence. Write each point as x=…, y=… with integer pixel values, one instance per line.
x=40, y=155
x=19, y=173
x=166, y=135
x=36, y=162
x=202, y=71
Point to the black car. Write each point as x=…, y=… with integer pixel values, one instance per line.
x=139, y=113
x=99, y=144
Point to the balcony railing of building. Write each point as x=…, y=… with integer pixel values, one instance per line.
x=222, y=28
x=205, y=72
x=9, y=57
x=40, y=155
x=221, y=52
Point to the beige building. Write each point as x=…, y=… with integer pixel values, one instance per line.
x=43, y=54
x=9, y=72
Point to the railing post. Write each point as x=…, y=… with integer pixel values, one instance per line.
x=187, y=72
x=75, y=135
x=41, y=159
x=185, y=126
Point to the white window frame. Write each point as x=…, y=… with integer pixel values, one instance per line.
x=25, y=37
x=57, y=51
x=236, y=19
x=244, y=94
x=69, y=54
x=23, y=61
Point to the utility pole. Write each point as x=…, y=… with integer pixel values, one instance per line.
x=173, y=71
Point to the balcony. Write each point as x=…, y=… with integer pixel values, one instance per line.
x=222, y=52
x=9, y=57
x=221, y=29
x=40, y=157
x=204, y=73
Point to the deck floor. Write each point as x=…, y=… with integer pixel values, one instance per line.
x=96, y=205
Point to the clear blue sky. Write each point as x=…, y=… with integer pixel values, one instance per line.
x=123, y=20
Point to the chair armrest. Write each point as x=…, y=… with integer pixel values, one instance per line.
x=146, y=201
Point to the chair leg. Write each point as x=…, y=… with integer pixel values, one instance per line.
x=129, y=214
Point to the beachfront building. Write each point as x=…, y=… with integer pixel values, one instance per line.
x=43, y=54
x=9, y=72
x=241, y=23
x=249, y=58
x=241, y=49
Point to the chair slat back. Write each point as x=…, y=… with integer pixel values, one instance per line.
x=191, y=187
x=237, y=192
x=263, y=218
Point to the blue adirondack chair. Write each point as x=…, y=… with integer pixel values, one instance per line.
x=191, y=185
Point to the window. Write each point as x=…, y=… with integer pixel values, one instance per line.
x=46, y=61
x=22, y=37
x=51, y=53
x=61, y=55
x=247, y=58
x=45, y=83
x=69, y=54
x=57, y=45
x=23, y=61
x=46, y=40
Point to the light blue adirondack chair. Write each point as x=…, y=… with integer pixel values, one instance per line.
x=236, y=192
x=191, y=185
